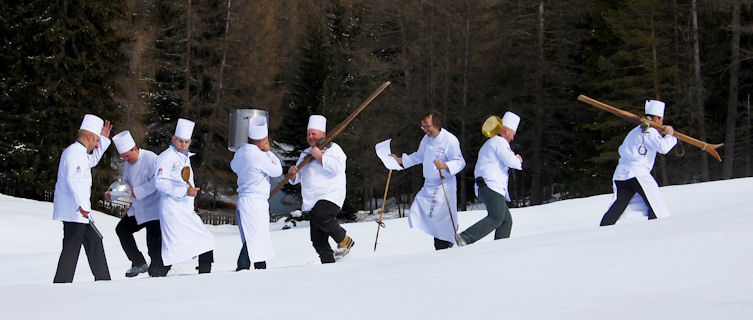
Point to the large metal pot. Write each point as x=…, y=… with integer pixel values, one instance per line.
x=239, y=126
x=492, y=126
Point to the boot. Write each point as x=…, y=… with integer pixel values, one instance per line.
x=344, y=247
x=134, y=271
x=459, y=240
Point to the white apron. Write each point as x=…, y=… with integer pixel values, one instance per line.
x=184, y=235
x=637, y=155
x=254, y=215
x=429, y=212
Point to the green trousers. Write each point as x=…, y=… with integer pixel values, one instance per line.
x=498, y=218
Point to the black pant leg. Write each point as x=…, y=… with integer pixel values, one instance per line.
x=73, y=237
x=440, y=244
x=324, y=215
x=205, y=261
x=625, y=192
x=95, y=253
x=637, y=187
x=320, y=241
x=244, y=262
x=125, y=230
x=154, y=243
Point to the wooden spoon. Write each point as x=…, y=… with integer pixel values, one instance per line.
x=185, y=173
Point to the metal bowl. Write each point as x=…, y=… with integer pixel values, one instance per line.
x=120, y=192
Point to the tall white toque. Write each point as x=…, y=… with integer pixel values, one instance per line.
x=92, y=124
x=257, y=128
x=655, y=108
x=123, y=142
x=511, y=121
x=317, y=122
x=184, y=129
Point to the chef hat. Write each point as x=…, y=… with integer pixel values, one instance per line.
x=257, y=128
x=123, y=142
x=511, y=120
x=655, y=108
x=92, y=124
x=184, y=128
x=317, y=122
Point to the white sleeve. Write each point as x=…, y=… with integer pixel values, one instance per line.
x=415, y=158
x=455, y=161
x=507, y=156
x=98, y=152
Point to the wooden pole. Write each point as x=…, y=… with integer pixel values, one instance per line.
x=710, y=148
x=340, y=127
x=449, y=208
x=379, y=222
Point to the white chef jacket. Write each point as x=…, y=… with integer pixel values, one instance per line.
x=494, y=161
x=73, y=187
x=140, y=176
x=254, y=168
x=322, y=181
x=429, y=212
x=184, y=235
x=633, y=164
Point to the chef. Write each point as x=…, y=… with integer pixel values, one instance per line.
x=495, y=159
x=439, y=150
x=323, y=189
x=184, y=235
x=138, y=174
x=72, y=204
x=254, y=164
x=636, y=193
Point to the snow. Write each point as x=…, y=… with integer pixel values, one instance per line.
x=558, y=264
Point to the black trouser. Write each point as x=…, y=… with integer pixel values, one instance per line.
x=125, y=230
x=440, y=244
x=74, y=236
x=244, y=262
x=625, y=191
x=324, y=225
x=205, y=261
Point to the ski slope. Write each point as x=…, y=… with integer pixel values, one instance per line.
x=558, y=264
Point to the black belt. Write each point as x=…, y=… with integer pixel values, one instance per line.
x=480, y=182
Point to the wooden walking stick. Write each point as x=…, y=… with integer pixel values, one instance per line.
x=441, y=179
x=710, y=148
x=340, y=127
x=379, y=222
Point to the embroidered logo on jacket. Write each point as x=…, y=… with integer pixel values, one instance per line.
x=78, y=169
x=159, y=172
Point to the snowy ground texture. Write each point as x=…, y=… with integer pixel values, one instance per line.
x=696, y=264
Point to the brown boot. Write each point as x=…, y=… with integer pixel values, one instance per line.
x=344, y=247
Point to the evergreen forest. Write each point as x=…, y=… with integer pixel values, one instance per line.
x=145, y=63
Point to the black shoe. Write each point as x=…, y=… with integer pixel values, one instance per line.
x=236, y=269
x=204, y=268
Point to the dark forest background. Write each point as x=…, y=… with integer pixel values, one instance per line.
x=143, y=64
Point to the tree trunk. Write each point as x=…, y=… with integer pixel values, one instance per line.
x=463, y=140
x=698, y=93
x=187, y=85
x=657, y=96
x=734, y=73
x=537, y=196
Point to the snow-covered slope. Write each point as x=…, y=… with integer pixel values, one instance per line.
x=558, y=264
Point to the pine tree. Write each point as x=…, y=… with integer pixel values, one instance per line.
x=59, y=62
